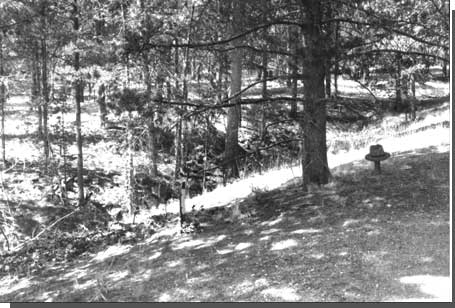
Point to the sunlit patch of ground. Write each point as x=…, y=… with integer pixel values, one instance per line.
x=435, y=288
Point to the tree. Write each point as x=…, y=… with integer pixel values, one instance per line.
x=79, y=96
x=314, y=161
x=3, y=97
x=234, y=112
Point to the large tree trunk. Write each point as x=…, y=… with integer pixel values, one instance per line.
x=314, y=161
x=79, y=95
x=234, y=113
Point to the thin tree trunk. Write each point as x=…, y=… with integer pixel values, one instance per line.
x=130, y=183
x=265, y=95
x=178, y=146
x=1, y=55
x=220, y=80
x=178, y=128
x=78, y=89
x=130, y=166
x=126, y=81
x=176, y=64
x=2, y=107
x=337, y=64
x=102, y=104
x=327, y=79
x=183, y=123
x=151, y=131
x=398, y=97
x=314, y=162
x=36, y=90
x=444, y=64
x=3, y=95
x=183, y=133
x=206, y=148
x=413, y=97
x=45, y=90
x=234, y=113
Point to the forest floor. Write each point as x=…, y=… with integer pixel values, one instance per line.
x=364, y=237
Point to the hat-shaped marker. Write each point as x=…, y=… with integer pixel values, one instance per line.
x=377, y=155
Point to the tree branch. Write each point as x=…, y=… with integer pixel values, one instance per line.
x=17, y=248
x=223, y=41
x=416, y=53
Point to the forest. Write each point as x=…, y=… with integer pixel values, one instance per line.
x=208, y=150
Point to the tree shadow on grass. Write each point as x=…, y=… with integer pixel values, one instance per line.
x=340, y=243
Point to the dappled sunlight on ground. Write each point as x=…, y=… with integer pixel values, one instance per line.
x=197, y=243
x=242, y=246
x=282, y=294
x=84, y=285
x=174, y=263
x=434, y=288
x=362, y=237
x=112, y=251
x=155, y=255
x=351, y=87
x=8, y=285
x=77, y=273
x=433, y=88
x=273, y=222
x=224, y=251
x=350, y=222
x=119, y=275
x=439, y=287
x=306, y=231
x=284, y=244
x=269, y=231
x=239, y=189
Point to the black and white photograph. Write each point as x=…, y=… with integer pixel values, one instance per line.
x=225, y=151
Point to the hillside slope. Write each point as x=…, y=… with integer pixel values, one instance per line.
x=363, y=237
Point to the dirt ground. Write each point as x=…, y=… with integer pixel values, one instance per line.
x=363, y=237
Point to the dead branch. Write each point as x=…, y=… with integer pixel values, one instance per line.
x=19, y=247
